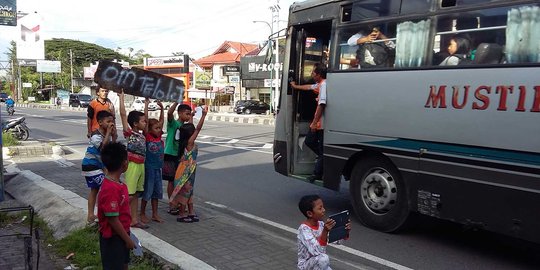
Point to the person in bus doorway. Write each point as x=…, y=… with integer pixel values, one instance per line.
x=314, y=138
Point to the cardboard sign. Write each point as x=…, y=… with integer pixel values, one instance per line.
x=138, y=82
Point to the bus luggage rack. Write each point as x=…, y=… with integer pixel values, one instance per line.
x=12, y=230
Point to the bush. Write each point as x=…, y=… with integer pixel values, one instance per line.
x=9, y=140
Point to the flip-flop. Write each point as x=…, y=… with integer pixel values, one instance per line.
x=140, y=225
x=194, y=218
x=184, y=219
x=174, y=211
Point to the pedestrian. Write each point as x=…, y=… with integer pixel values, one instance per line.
x=134, y=127
x=102, y=102
x=184, y=179
x=171, y=158
x=314, y=138
x=92, y=166
x=312, y=237
x=153, y=163
x=113, y=210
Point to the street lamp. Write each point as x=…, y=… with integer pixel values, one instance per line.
x=272, y=69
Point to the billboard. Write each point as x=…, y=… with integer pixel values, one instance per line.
x=48, y=66
x=30, y=43
x=8, y=12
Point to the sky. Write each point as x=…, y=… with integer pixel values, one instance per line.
x=159, y=27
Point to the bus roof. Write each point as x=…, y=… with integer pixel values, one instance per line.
x=313, y=10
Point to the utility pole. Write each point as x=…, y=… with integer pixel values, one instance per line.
x=275, y=85
x=71, y=67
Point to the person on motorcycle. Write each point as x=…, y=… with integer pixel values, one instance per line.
x=10, y=104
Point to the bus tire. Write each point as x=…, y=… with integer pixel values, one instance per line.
x=379, y=195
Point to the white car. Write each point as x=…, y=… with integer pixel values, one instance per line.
x=138, y=105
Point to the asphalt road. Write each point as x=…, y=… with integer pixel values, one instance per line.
x=235, y=170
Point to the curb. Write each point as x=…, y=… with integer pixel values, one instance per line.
x=257, y=120
x=64, y=211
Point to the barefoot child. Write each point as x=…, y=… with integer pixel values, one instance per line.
x=113, y=210
x=134, y=126
x=153, y=189
x=184, y=179
x=171, y=158
x=92, y=167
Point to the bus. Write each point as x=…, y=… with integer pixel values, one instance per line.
x=408, y=128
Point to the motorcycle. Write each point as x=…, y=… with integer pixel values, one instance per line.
x=10, y=110
x=17, y=127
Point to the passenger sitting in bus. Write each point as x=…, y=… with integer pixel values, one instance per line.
x=459, y=50
x=374, y=49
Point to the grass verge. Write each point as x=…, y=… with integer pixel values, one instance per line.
x=9, y=140
x=83, y=243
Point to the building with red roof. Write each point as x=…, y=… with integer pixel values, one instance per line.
x=223, y=67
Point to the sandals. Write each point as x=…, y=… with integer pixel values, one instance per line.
x=173, y=211
x=194, y=218
x=140, y=225
x=184, y=219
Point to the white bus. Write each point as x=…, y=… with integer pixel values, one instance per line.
x=410, y=129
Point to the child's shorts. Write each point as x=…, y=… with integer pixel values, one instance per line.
x=94, y=178
x=153, y=187
x=114, y=253
x=135, y=177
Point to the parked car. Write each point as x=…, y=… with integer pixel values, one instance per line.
x=79, y=100
x=138, y=105
x=3, y=97
x=251, y=106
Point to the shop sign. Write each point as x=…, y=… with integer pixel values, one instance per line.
x=8, y=12
x=164, y=61
x=231, y=70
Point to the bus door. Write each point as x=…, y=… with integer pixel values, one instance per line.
x=311, y=47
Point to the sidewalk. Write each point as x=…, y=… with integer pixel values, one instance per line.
x=223, y=239
x=259, y=119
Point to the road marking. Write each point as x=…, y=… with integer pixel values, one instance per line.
x=233, y=141
x=349, y=250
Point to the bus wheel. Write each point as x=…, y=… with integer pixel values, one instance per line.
x=379, y=195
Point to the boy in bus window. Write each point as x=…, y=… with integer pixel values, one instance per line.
x=374, y=49
x=314, y=138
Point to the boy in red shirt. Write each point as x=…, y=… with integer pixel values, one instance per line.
x=113, y=210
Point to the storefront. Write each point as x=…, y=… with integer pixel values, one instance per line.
x=258, y=78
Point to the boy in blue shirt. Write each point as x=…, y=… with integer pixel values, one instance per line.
x=92, y=167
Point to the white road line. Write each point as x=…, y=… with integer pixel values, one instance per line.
x=236, y=147
x=233, y=141
x=349, y=250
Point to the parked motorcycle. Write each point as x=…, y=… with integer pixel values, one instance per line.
x=17, y=127
x=10, y=110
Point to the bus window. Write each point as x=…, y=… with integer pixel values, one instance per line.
x=362, y=10
x=367, y=47
x=479, y=37
x=414, y=6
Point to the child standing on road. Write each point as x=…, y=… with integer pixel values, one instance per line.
x=92, y=167
x=171, y=158
x=102, y=102
x=184, y=179
x=134, y=126
x=113, y=210
x=313, y=234
x=153, y=189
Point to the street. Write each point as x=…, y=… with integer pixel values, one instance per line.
x=235, y=174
